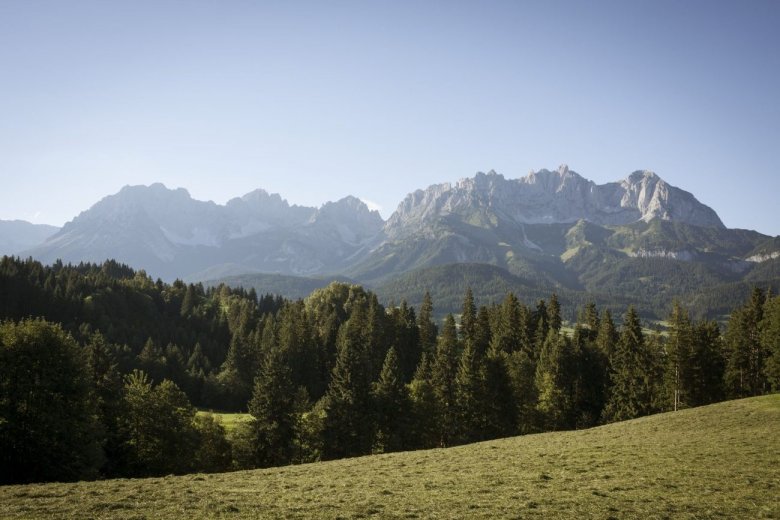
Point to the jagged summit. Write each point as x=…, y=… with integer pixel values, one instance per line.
x=486, y=218
x=552, y=196
x=171, y=234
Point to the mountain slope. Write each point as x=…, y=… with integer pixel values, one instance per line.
x=170, y=235
x=638, y=237
x=546, y=197
x=18, y=235
x=715, y=461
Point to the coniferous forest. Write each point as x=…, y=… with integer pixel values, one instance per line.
x=102, y=370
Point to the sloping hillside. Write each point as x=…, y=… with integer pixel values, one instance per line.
x=715, y=461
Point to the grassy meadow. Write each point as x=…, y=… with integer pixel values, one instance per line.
x=718, y=461
x=228, y=420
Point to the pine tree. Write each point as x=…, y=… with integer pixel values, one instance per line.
x=607, y=337
x=590, y=378
x=553, y=382
x=706, y=365
x=198, y=363
x=470, y=393
x=392, y=406
x=541, y=326
x=468, y=317
x=770, y=342
x=631, y=367
x=677, y=368
x=498, y=402
x=509, y=333
x=443, y=372
x=554, y=313
x=272, y=411
x=744, y=374
x=189, y=301
x=406, y=338
x=348, y=422
x=152, y=360
x=424, y=431
x=377, y=336
x=521, y=373
x=426, y=326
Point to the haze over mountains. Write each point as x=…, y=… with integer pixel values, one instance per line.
x=552, y=229
x=19, y=235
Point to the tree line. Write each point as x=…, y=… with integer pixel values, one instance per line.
x=87, y=390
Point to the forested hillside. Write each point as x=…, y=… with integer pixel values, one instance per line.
x=102, y=368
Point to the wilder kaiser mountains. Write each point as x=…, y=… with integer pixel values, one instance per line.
x=639, y=238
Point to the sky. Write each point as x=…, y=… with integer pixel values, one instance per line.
x=319, y=100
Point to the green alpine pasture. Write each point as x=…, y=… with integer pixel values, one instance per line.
x=717, y=461
x=228, y=420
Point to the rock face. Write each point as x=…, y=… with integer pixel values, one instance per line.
x=172, y=235
x=549, y=224
x=548, y=197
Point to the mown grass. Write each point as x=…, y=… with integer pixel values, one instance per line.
x=719, y=461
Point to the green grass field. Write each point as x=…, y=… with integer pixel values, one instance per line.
x=719, y=461
x=228, y=420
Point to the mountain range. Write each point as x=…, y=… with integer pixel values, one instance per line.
x=17, y=236
x=551, y=230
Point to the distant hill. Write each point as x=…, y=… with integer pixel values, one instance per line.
x=19, y=235
x=715, y=461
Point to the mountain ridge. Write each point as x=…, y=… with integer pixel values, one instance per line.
x=18, y=235
x=542, y=225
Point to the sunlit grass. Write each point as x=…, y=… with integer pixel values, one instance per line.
x=716, y=461
x=228, y=420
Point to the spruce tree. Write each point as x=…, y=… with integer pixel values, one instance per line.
x=426, y=326
x=744, y=374
x=554, y=313
x=348, y=423
x=424, y=431
x=189, y=301
x=541, y=326
x=706, y=365
x=468, y=317
x=553, y=382
x=607, y=337
x=677, y=370
x=391, y=401
x=499, y=404
x=770, y=342
x=272, y=409
x=590, y=382
x=406, y=339
x=443, y=372
x=470, y=393
x=631, y=372
x=509, y=333
x=521, y=374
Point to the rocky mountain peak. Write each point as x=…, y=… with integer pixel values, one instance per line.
x=349, y=208
x=545, y=196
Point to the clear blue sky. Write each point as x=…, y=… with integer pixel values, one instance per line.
x=317, y=100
